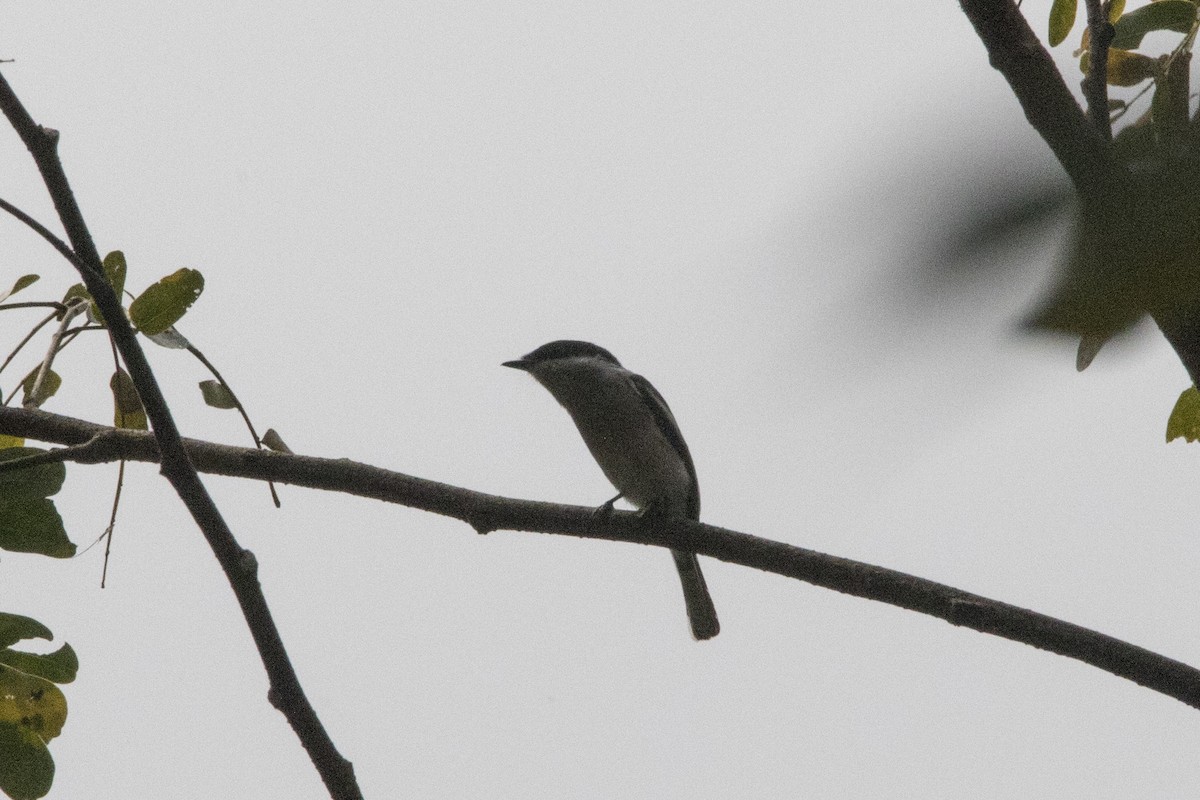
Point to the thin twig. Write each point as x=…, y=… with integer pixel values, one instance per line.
x=120, y=419
x=73, y=332
x=33, y=396
x=112, y=521
x=237, y=404
x=1095, y=83
x=26, y=340
x=57, y=342
x=80, y=453
x=1125, y=110
x=40, y=229
x=33, y=304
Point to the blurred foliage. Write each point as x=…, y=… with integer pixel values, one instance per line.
x=1184, y=422
x=1134, y=245
x=996, y=213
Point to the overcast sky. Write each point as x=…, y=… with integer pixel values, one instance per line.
x=388, y=200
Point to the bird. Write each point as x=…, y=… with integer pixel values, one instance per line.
x=633, y=436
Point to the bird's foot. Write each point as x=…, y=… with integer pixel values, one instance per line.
x=606, y=509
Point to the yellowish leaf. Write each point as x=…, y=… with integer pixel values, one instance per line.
x=1062, y=19
x=1185, y=417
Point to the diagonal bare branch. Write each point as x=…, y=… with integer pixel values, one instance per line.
x=239, y=566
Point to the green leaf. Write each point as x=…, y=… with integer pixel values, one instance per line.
x=32, y=709
x=1134, y=141
x=1185, y=417
x=114, y=271
x=43, y=480
x=127, y=406
x=1125, y=68
x=1129, y=69
x=31, y=702
x=161, y=305
x=21, y=283
x=217, y=394
x=14, y=628
x=61, y=666
x=50, y=385
x=1165, y=15
x=7, y=441
x=274, y=441
x=171, y=339
x=30, y=524
x=1169, y=106
x=77, y=291
x=26, y=768
x=1062, y=19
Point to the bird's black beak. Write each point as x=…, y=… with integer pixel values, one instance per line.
x=520, y=364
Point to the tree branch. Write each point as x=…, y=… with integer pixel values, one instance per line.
x=285, y=691
x=1015, y=51
x=486, y=512
x=84, y=453
x=1095, y=83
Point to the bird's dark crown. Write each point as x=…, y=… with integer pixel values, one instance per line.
x=569, y=348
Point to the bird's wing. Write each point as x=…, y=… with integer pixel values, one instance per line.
x=670, y=429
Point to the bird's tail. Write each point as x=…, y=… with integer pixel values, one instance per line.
x=700, y=609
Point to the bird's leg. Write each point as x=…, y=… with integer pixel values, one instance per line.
x=606, y=509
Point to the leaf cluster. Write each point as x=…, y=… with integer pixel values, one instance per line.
x=1127, y=67
x=1136, y=247
x=33, y=709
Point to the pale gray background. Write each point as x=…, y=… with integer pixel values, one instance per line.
x=388, y=200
